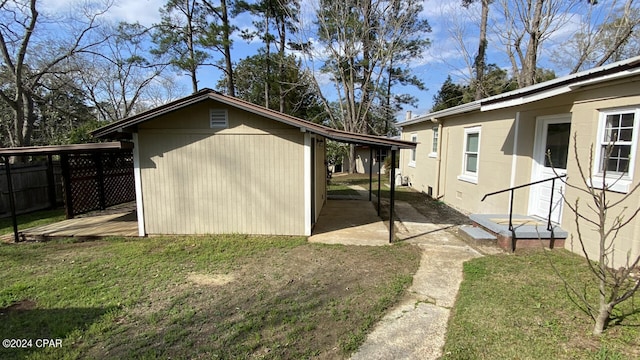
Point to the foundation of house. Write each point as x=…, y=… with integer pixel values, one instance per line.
x=527, y=232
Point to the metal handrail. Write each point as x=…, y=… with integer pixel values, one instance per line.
x=553, y=184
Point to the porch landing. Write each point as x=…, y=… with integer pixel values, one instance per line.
x=527, y=231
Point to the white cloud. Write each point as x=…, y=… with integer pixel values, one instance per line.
x=146, y=12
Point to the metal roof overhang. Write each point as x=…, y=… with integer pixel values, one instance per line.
x=65, y=149
x=618, y=70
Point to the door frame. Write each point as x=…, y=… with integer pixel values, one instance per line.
x=538, y=157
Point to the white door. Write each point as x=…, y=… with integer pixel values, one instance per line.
x=551, y=151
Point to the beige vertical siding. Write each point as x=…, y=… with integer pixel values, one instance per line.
x=248, y=178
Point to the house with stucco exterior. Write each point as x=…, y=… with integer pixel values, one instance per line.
x=471, y=155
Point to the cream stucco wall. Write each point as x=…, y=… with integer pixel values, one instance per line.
x=247, y=178
x=501, y=165
x=586, y=116
x=423, y=172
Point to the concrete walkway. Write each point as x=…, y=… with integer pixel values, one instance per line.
x=416, y=328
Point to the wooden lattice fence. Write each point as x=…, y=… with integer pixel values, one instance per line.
x=97, y=180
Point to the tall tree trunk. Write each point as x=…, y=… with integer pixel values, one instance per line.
x=365, y=82
x=281, y=68
x=267, y=71
x=226, y=33
x=389, y=112
x=191, y=47
x=482, y=49
x=531, y=56
x=352, y=159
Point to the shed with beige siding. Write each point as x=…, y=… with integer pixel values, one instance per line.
x=500, y=142
x=209, y=164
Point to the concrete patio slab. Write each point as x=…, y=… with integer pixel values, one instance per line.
x=350, y=222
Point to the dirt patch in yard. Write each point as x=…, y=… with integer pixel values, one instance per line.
x=210, y=279
x=308, y=301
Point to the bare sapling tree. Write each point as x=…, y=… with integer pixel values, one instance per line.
x=606, y=213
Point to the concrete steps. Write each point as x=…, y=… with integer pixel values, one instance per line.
x=476, y=234
x=528, y=232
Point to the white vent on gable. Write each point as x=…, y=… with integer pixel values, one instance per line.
x=218, y=118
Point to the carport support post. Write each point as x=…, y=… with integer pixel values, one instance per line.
x=370, y=170
x=393, y=193
x=12, y=202
x=379, y=172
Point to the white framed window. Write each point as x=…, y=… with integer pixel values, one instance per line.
x=434, y=143
x=412, y=158
x=218, y=119
x=615, y=147
x=470, y=155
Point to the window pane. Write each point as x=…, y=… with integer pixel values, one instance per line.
x=624, y=151
x=557, y=145
x=623, y=166
x=616, y=162
x=625, y=135
x=434, y=147
x=627, y=120
x=472, y=142
x=472, y=163
x=613, y=121
x=609, y=135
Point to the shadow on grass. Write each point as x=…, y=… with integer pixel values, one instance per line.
x=23, y=320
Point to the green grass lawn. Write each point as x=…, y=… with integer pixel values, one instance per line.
x=337, y=187
x=26, y=221
x=223, y=297
x=516, y=307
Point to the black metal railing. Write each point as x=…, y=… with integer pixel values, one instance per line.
x=553, y=184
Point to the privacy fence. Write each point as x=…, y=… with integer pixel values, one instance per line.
x=36, y=186
x=82, y=181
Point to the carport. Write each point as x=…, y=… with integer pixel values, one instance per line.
x=376, y=146
x=95, y=176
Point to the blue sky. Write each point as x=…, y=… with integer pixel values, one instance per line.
x=449, y=22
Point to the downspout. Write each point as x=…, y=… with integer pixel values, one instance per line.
x=514, y=155
x=438, y=156
x=444, y=180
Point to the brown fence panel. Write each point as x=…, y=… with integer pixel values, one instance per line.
x=30, y=188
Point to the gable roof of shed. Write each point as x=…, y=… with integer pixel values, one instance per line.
x=209, y=94
x=544, y=90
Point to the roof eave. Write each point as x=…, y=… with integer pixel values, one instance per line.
x=434, y=116
x=544, y=90
x=343, y=136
